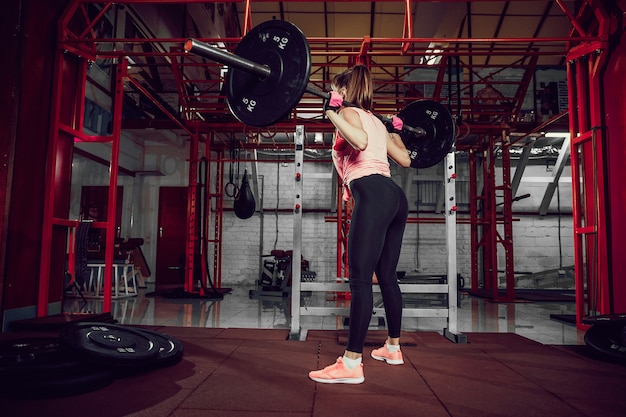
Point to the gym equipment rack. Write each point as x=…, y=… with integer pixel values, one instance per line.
x=449, y=288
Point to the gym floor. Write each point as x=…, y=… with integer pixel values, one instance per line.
x=531, y=319
x=519, y=361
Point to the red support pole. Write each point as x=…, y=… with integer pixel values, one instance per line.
x=247, y=19
x=489, y=227
x=507, y=219
x=48, y=208
x=192, y=215
x=407, y=31
x=219, y=215
x=341, y=242
x=474, y=238
x=109, y=252
x=67, y=115
x=598, y=141
x=592, y=247
x=579, y=279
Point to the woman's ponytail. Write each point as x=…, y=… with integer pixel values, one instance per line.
x=360, y=87
x=358, y=83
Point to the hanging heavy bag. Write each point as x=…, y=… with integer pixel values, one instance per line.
x=244, y=201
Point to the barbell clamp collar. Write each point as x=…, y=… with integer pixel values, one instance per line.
x=417, y=131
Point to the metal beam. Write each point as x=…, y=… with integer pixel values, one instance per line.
x=560, y=164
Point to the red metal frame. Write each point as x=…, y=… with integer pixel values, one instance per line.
x=388, y=59
x=191, y=248
x=506, y=218
x=589, y=199
x=213, y=199
x=342, y=218
x=48, y=208
x=491, y=227
x=218, y=195
x=591, y=244
x=476, y=245
x=342, y=239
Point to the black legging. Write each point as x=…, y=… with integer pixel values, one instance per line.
x=374, y=242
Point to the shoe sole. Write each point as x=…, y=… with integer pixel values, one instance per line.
x=339, y=380
x=389, y=361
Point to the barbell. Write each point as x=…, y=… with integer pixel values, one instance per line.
x=269, y=73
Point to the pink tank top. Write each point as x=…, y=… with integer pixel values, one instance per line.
x=352, y=164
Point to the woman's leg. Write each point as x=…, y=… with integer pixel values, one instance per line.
x=376, y=207
x=386, y=270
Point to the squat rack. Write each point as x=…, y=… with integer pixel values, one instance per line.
x=340, y=285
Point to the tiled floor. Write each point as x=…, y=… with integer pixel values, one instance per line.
x=238, y=310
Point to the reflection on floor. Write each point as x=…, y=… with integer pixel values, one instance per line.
x=238, y=310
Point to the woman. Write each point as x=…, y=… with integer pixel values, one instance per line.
x=361, y=149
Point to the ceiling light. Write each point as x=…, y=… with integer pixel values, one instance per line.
x=556, y=134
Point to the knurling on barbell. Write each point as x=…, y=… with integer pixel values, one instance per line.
x=269, y=73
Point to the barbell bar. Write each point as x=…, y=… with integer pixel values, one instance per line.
x=263, y=72
x=269, y=73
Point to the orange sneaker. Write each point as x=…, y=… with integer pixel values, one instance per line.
x=392, y=358
x=337, y=373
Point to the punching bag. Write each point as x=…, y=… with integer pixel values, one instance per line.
x=244, y=201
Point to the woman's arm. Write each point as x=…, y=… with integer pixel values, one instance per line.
x=397, y=151
x=350, y=127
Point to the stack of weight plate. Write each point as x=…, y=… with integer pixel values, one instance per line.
x=308, y=276
x=84, y=357
x=607, y=336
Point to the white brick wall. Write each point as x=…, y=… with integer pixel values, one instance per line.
x=536, y=243
x=536, y=240
x=424, y=250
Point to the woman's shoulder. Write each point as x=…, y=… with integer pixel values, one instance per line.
x=352, y=108
x=362, y=113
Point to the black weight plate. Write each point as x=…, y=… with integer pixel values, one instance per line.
x=25, y=359
x=435, y=119
x=110, y=343
x=606, y=318
x=82, y=380
x=63, y=364
x=170, y=349
x=27, y=350
x=283, y=48
x=608, y=340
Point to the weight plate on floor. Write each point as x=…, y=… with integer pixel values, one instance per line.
x=170, y=349
x=34, y=358
x=435, y=119
x=32, y=349
x=82, y=380
x=110, y=343
x=608, y=340
x=282, y=47
x=606, y=318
